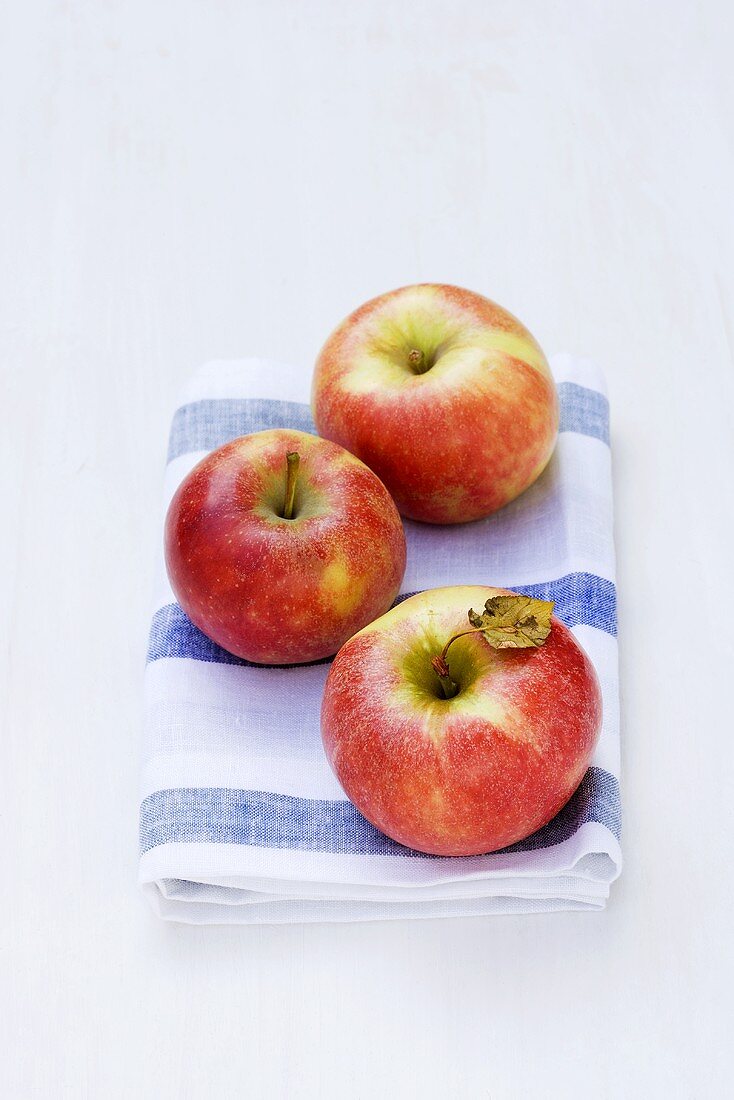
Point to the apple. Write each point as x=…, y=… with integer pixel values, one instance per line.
x=280, y=545
x=476, y=771
x=444, y=394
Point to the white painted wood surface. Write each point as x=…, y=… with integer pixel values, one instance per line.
x=187, y=180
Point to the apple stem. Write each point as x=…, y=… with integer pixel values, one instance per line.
x=449, y=688
x=461, y=634
x=440, y=665
x=417, y=361
x=293, y=460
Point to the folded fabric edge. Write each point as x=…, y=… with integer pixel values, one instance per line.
x=593, y=852
x=305, y=912
x=567, y=885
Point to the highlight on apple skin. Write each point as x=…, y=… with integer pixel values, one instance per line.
x=469, y=774
x=444, y=394
x=279, y=588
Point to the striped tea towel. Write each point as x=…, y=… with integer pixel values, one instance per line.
x=242, y=820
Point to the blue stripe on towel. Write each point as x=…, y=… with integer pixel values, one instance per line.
x=172, y=634
x=204, y=425
x=220, y=815
x=581, y=599
x=584, y=411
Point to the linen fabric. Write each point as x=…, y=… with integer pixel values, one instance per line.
x=242, y=820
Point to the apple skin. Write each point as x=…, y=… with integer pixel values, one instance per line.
x=275, y=590
x=458, y=441
x=468, y=775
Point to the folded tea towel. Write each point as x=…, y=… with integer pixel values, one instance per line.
x=241, y=818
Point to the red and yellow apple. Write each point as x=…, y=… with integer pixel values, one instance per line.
x=444, y=394
x=280, y=545
x=474, y=772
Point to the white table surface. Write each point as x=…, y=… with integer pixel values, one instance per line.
x=191, y=180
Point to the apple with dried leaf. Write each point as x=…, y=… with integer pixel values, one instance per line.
x=444, y=394
x=280, y=545
x=458, y=732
